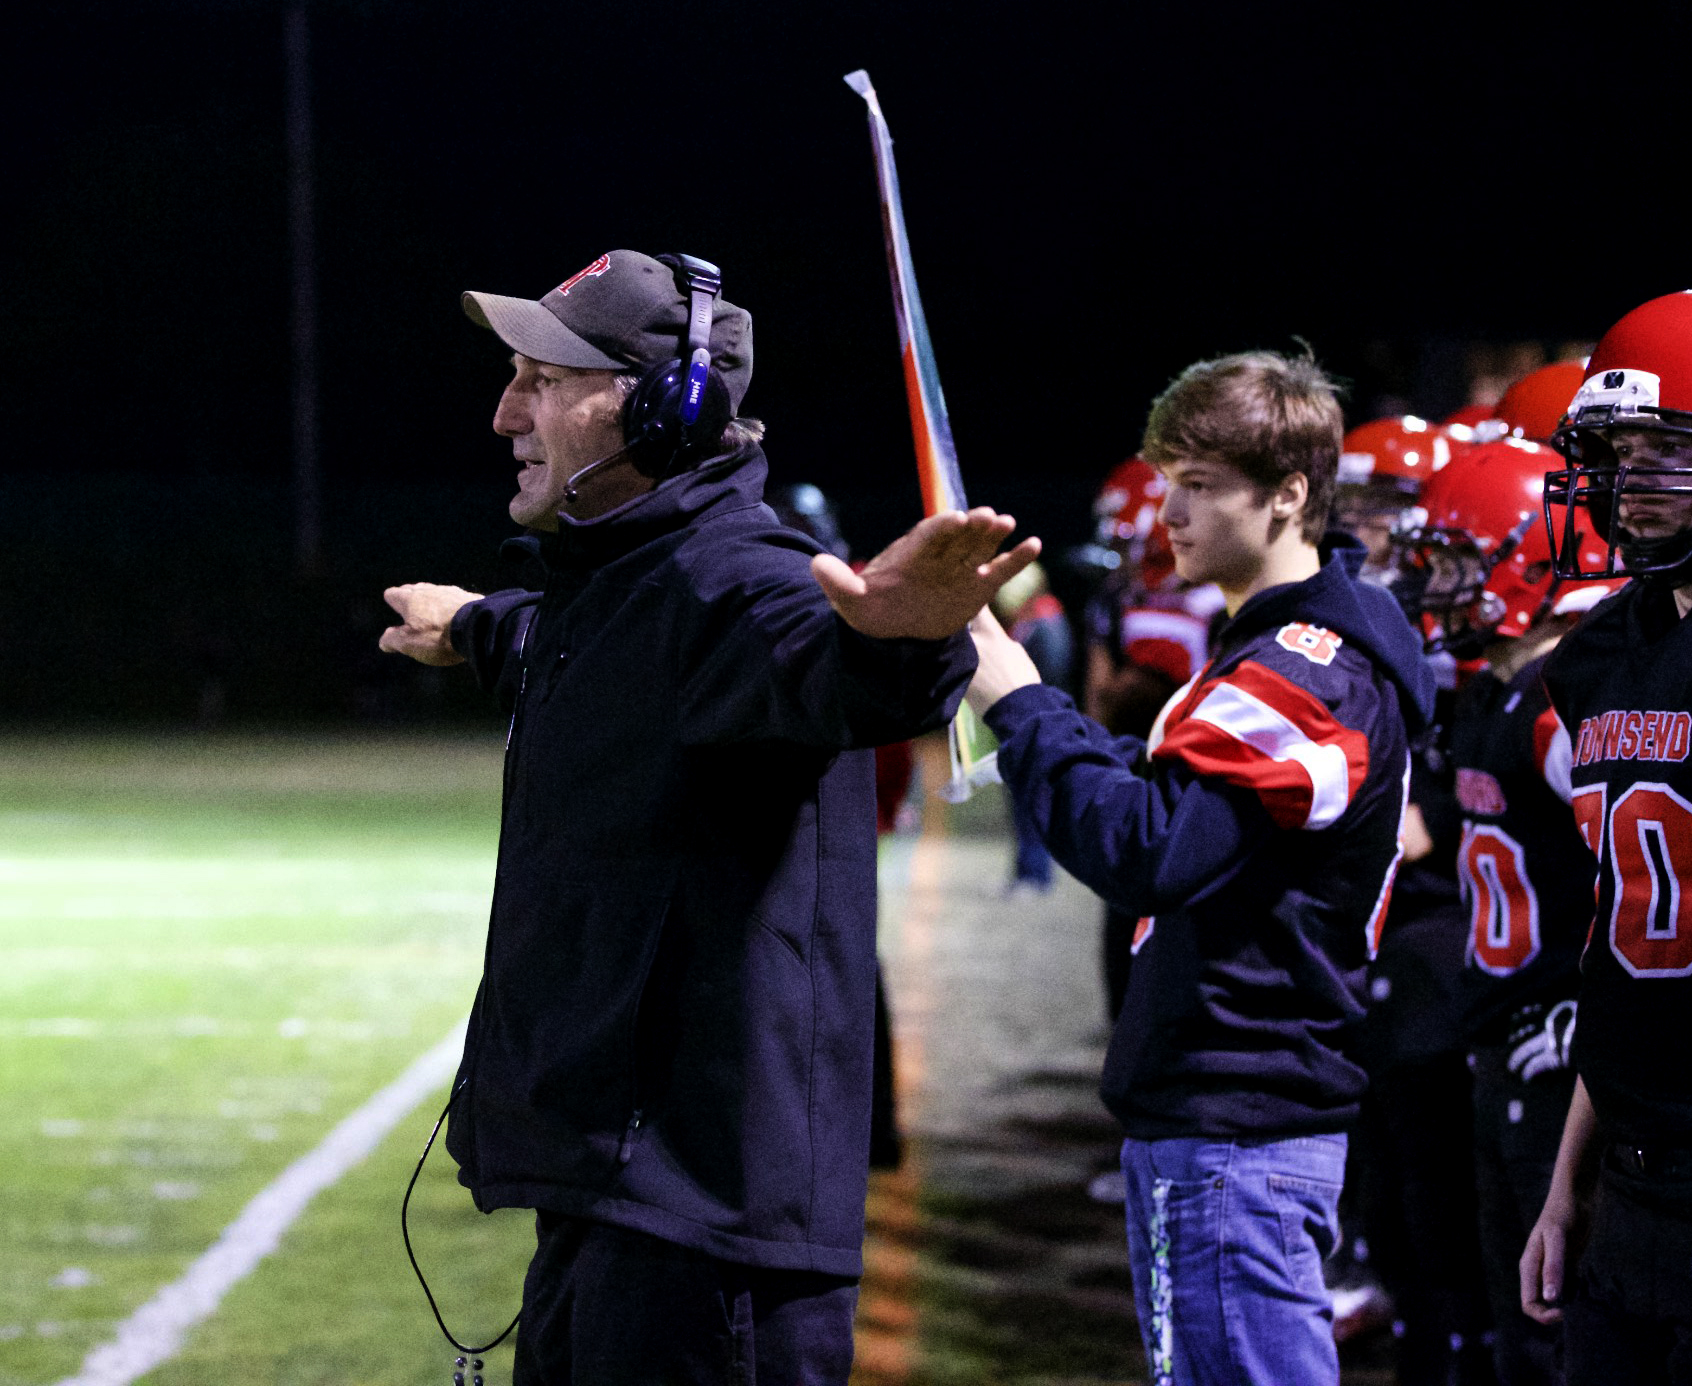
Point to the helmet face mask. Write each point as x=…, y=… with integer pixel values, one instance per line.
x=1475, y=566
x=1357, y=504
x=1443, y=575
x=1626, y=441
x=1634, y=479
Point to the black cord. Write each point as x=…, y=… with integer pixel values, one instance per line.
x=405, y=1232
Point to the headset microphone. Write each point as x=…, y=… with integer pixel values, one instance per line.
x=570, y=492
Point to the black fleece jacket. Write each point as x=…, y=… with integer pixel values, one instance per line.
x=673, y=1031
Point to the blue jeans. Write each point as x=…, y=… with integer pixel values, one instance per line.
x=1226, y=1240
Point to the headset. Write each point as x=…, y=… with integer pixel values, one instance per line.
x=676, y=415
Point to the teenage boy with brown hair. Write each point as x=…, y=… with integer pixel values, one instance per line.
x=1255, y=833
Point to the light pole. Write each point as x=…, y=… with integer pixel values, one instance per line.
x=302, y=238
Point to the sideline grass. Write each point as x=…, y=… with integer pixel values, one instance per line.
x=214, y=949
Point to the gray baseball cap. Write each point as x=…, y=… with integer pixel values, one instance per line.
x=623, y=310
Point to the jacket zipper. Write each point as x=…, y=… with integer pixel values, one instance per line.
x=522, y=687
x=625, y=1151
x=487, y=947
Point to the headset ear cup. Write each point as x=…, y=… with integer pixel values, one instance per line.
x=715, y=414
x=661, y=444
x=644, y=414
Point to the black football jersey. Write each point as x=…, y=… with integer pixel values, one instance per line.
x=1526, y=875
x=1622, y=684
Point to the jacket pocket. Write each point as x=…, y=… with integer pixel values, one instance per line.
x=558, y=1074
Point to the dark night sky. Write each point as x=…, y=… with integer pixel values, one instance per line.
x=1096, y=194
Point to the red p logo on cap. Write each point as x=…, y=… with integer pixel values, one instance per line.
x=597, y=268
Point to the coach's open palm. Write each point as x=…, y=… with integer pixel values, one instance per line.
x=927, y=584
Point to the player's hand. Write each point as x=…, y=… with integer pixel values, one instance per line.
x=1418, y=841
x=1001, y=664
x=426, y=610
x=1545, y=1260
x=927, y=584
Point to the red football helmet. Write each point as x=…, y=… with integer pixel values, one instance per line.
x=1476, y=563
x=1535, y=404
x=1469, y=416
x=1127, y=523
x=1638, y=386
x=1383, y=466
x=1391, y=459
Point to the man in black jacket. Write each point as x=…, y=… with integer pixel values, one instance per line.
x=669, y=1057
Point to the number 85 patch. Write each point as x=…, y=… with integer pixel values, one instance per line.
x=1316, y=643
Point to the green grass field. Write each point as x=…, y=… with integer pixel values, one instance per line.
x=214, y=949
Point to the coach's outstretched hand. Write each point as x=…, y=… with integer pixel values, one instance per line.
x=927, y=584
x=426, y=609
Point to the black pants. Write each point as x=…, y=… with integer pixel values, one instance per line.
x=607, y=1306
x=1518, y=1127
x=1419, y=1211
x=1630, y=1319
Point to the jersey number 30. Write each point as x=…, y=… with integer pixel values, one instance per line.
x=1650, y=855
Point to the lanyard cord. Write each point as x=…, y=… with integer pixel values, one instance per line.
x=405, y=1232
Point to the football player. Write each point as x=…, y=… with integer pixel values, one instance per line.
x=1410, y=1183
x=1477, y=566
x=1620, y=683
x=1383, y=466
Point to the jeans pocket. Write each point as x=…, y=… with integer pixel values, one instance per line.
x=1308, y=1213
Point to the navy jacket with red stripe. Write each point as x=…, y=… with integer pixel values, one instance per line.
x=1257, y=834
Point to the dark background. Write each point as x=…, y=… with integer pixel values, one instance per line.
x=1096, y=195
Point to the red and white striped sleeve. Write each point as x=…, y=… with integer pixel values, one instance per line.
x=1258, y=729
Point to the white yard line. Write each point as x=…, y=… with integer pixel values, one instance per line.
x=155, y=1332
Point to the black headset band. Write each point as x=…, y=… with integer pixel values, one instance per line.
x=702, y=282
x=676, y=414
